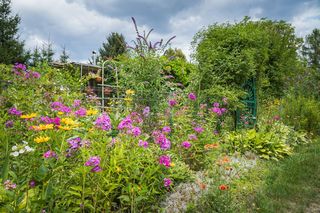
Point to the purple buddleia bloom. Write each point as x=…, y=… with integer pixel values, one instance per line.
x=165, y=160
x=103, y=122
x=93, y=161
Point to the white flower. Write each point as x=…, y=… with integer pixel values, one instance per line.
x=15, y=154
x=21, y=151
x=25, y=142
x=14, y=148
x=29, y=149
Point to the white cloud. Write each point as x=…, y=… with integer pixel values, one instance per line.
x=306, y=21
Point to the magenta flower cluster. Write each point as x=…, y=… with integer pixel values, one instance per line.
x=9, y=185
x=167, y=182
x=165, y=160
x=48, y=120
x=94, y=162
x=172, y=102
x=218, y=110
x=198, y=129
x=162, y=140
x=103, y=122
x=81, y=112
x=144, y=144
x=50, y=154
x=186, y=144
x=58, y=106
x=14, y=111
x=192, y=96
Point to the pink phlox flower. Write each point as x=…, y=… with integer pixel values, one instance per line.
x=186, y=144
x=192, y=96
x=144, y=144
x=126, y=123
x=103, y=122
x=14, y=111
x=172, y=102
x=136, y=131
x=146, y=111
x=50, y=154
x=167, y=182
x=93, y=161
x=9, y=185
x=76, y=103
x=166, y=129
x=198, y=129
x=165, y=160
x=81, y=112
x=193, y=137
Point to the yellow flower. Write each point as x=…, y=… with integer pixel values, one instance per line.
x=29, y=116
x=172, y=164
x=92, y=112
x=68, y=121
x=43, y=127
x=60, y=113
x=128, y=99
x=130, y=92
x=65, y=127
x=41, y=139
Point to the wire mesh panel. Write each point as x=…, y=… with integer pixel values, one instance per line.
x=247, y=117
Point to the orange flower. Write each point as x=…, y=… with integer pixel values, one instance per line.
x=224, y=160
x=211, y=146
x=202, y=186
x=223, y=187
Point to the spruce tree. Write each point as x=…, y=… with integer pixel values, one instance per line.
x=114, y=46
x=311, y=49
x=11, y=49
x=64, y=57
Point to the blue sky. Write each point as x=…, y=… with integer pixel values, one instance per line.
x=82, y=25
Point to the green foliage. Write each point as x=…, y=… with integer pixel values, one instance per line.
x=301, y=112
x=230, y=54
x=311, y=49
x=290, y=185
x=180, y=69
x=113, y=47
x=274, y=141
x=174, y=54
x=64, y=57
x=11, y=49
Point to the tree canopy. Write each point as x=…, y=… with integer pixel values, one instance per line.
x=230, y=54
x=311, y=49
x=114, y=46
x=11, y=49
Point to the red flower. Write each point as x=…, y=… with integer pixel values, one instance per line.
x=223, y=187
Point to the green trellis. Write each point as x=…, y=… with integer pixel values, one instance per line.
x=247, y=117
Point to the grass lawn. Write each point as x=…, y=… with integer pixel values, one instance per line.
x=293, y=184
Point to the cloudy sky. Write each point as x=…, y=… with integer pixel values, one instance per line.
x=82, y=25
